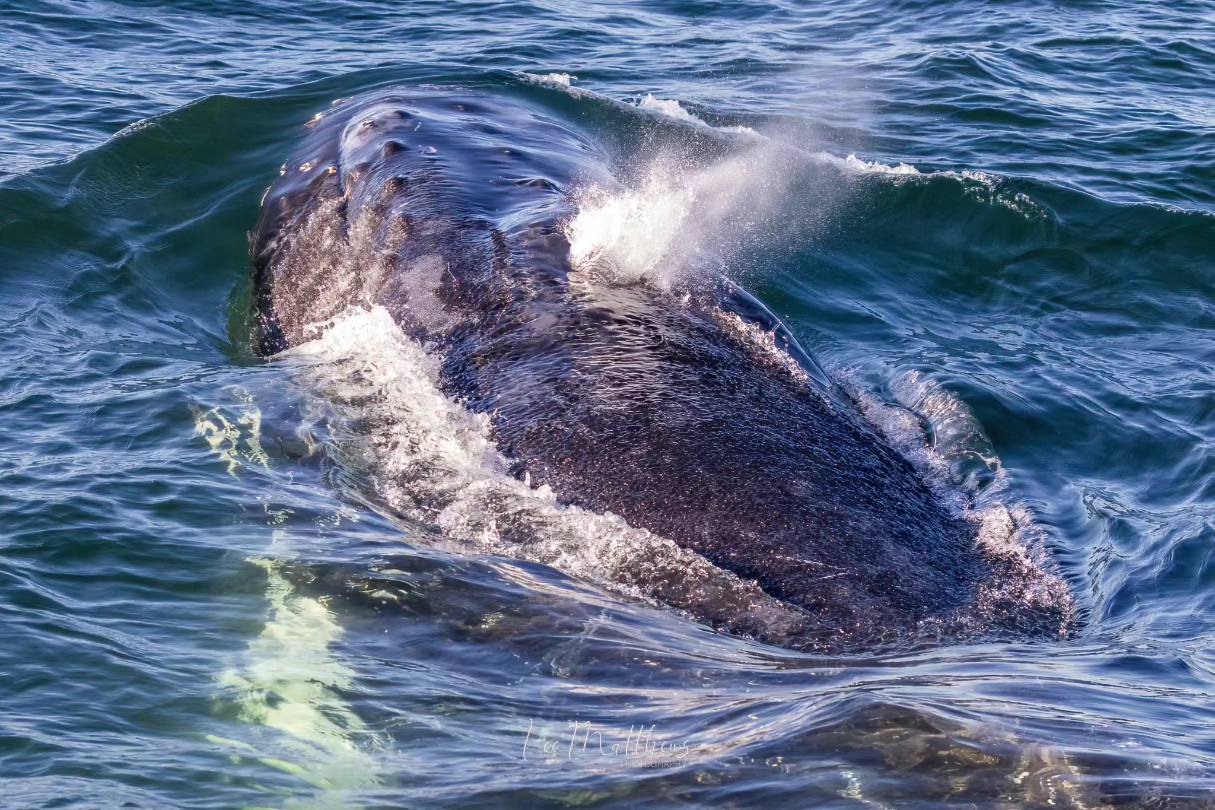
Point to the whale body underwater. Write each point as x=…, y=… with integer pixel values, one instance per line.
x=758, y=499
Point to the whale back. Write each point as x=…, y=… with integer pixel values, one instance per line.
x=675, y=409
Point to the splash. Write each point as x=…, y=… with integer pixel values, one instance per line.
x=678, y=218
x=984, y=187
x=629, y=235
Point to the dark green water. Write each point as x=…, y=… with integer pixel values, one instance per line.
x=201, y=610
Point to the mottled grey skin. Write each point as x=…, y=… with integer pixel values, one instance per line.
x=444, y=206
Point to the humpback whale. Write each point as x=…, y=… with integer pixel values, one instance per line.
x=444, y=208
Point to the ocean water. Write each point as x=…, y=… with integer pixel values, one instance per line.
x=999, y=239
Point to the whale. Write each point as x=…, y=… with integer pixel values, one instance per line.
x=688, y=411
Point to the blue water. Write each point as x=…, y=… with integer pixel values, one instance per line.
x=204, y=608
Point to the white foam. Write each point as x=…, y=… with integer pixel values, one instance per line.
x=562, y=80
x=673, y=109
x=556, y=81
x=983, y=187
x=670, y=108
x=901, y=423
x=874, y=167
x=666, y=107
